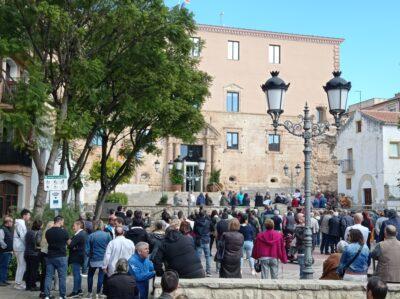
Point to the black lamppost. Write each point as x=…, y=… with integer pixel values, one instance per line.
x=337, y=90
x=292, y=174
x=157, y=165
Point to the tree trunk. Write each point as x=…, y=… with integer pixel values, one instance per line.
x=40, y=198
x=77, y=200
x=101, y=197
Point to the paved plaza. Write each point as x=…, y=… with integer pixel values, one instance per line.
x=286, y=271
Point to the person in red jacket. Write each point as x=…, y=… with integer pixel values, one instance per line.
x=269, y=249
x=295, y=202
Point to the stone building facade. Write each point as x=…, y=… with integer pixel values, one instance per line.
x=238, y=137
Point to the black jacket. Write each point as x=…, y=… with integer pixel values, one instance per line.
x=8, y=239
x=121, y=286
x=136, y=234
x=177, y=252
x=32, y=242
x=345, y=221
x=155, y=240
x=334, y=226
x=202, y=227
x=77, y=248
x=395, y=221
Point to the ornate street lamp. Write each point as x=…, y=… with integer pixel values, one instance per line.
x=157, y=165
x=291, y=175
x=337, y=90
x=178, y=162
x=170, y=165
x=202, y=165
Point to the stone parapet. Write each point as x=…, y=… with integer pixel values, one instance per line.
x=263, y=289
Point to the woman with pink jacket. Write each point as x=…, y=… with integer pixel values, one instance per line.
x=268, y=249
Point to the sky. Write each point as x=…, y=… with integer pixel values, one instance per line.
x=370, y=54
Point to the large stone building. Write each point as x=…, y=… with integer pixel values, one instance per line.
x=239, y=138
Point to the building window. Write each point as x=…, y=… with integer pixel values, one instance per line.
x=233, y=50
x=97, y=139
x=274, y=54
x=274, y=143
x=196, y=47
x=232, y=140
x=358, y=126
x=348, y=184
x=394, y=150
x=232, y=101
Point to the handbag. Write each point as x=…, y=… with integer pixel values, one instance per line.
x=342, y=272
x=257, y=266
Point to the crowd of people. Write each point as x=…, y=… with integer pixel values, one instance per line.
x=132, y=249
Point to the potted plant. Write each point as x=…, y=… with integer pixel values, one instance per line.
x=214, y=184
x=176, y=178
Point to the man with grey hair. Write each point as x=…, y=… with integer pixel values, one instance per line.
x=394, y=220
x=142, y=268
x=358, y=218
x=387, y=253
x=121, y=285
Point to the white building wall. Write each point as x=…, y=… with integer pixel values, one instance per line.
x=367, y=159
x=391, y=165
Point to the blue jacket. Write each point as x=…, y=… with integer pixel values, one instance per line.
x=362, y=262
x=143, y=270
x=395, y=221
x=201, y=200
x=322, y=202
x=96, y=245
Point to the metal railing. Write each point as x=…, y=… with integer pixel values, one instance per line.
x=10, y=156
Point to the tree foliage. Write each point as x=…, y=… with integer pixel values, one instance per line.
x=112, y=167
x=120, y=69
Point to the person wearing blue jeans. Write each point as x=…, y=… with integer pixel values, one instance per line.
x=77, y=256
x=60, y=264
x=202, y=229
x=96, y=245
x=205, y=247
x=6, y=247
x=57, y=238
x=249, y=233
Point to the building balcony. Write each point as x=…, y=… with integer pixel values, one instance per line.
x=9, y=87
x=10, y=156
x=347, y=166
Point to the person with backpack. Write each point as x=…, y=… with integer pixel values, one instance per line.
x=6, y=248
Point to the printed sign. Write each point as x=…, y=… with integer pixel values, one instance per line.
x=55, y=200
x=55, y=182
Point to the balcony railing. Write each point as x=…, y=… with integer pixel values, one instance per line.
x=347, y=166
x=9, y=87
x=10, y=156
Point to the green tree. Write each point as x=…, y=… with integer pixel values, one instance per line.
x=119, y=69
x=112, y=167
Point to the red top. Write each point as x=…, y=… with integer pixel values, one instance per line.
x=270, y=244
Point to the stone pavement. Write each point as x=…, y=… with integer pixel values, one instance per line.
x=286, y=271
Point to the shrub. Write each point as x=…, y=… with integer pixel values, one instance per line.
x=163, y=200
x=176, y=176
x=117, y=197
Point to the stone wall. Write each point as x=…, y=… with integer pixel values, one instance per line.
x=273, y=289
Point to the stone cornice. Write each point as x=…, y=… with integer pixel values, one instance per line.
x=270, y=34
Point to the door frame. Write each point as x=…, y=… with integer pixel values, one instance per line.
x=185, y=164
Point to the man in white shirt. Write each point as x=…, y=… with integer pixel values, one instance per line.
x=19, y=247
x=120, y=247
x=358, y=218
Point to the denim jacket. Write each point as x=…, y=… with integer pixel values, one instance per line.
x=361, y=263
x=96, y=245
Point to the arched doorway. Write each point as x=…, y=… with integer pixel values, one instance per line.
x=8, y=196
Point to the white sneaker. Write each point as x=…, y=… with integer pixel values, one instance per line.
x=19, y=287
x=88, y=296
x=84, y=275
x=253, y=273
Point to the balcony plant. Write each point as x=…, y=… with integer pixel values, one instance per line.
x=214, y=184
x=176, y=178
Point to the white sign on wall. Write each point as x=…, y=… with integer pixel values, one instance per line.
x=55, y=200
x=55, y=182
